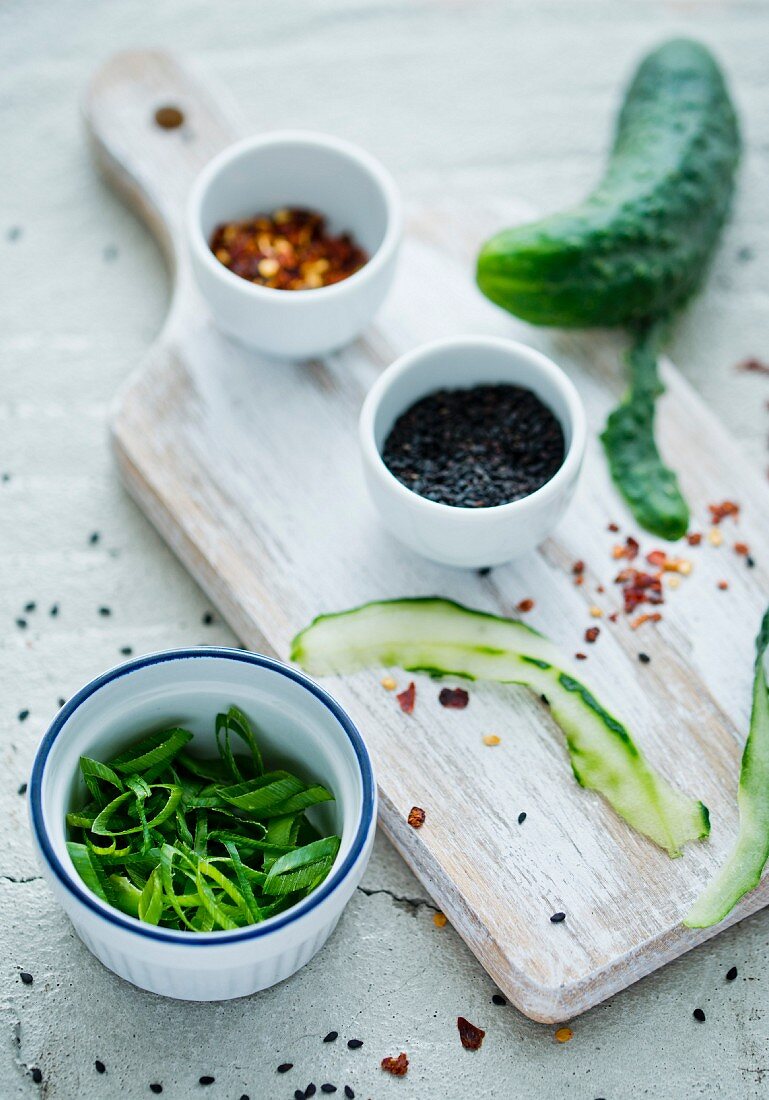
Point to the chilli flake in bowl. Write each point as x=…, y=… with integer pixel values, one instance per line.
x=198, y=843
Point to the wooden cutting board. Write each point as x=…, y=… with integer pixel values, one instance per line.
x=249, y=468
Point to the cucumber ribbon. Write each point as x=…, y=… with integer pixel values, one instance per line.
x=649, y=487
x=743, y=868
x=444, y=638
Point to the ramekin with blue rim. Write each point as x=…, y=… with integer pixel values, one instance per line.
x=300, y=725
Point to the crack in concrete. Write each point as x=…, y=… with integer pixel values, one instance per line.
x=411, y=905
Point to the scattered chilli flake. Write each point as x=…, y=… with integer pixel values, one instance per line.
x=581, y=656
x=613, y=527
x=723, y=585
x=439, y=920
x=388, y=683
x=694, y=538
x=592, y=633
x=639, y=587
x=457, y=698
x=753, y=366
x=742, y=549
x=524, y=606
x=416, y=818
x=649, y=617
x=398, y=1067
x=578, y=567
x=470, y=1036
x=563, y=1034
x=491, y=739
x=722, y=510
x=407, y=698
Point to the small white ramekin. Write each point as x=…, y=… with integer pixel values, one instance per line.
x=297, y=723
x=470, y=537
x=296, y=169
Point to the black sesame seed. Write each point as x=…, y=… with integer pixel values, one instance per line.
x=208, y=618
x=23, y=715
x=94, y=537
x=477, y=447
x=61, y=701
x=750, y=561
x=328, y=1088
x=545, y=700
x=37, y=1075
x=105, y=611
x=310, y=1090
x=156, y=1087
x=349, y=1093
x=354, y=1044
x=99, y=1066
x=26, y=977
x=558, y=918
x=331, y=1037
x=298, y=1095
x=698, y=1014
x=644, y=658
x=126, y=650
x=498, y=999
x=54, y=611
x=206, y=1079
x=245, y=1096
x=731, y=973
x=284, y=1067
x=31, y=606
x=521, y=817
x=484, y=572
x=22, y=788
x=22, y=624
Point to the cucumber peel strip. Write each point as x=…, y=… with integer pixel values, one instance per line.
x=743, y=868
x=444, y=638
x=649, y=487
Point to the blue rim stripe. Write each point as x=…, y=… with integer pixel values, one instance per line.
x=168, y=935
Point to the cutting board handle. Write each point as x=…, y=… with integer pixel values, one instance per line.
x=153, y=166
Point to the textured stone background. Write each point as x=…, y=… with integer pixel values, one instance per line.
x=468, y=95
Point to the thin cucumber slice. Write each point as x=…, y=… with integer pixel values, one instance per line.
x=445, y=638
x=743, y=869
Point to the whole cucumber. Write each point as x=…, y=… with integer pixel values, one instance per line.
x=637, y=247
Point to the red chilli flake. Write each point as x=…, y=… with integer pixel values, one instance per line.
x=694, y=538
x=652, y=617
x=581, y=656
x=742, y=549
x=722, y=510
x=524, y=606
x=723, y=585
x=629, y=551
x=457, y=698
x=578, y=567
x=470, y=1036
x=613, y=527
x=416, y=818
x=407, y=698
x=592, y=633
x=398, y=1067
x=753, y=365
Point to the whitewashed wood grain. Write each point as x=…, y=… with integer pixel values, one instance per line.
x=250, y=469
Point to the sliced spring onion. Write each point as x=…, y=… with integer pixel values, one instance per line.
x=743, y=868
x=444, y=638
x=190, y=843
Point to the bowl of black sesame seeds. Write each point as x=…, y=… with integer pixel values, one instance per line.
x=472, y=449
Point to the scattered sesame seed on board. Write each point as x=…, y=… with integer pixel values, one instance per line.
x=440, y=920
x=558, y=918
x=491, y=739
x=521, y=817
x=284, y=1067
x=596, y=612
x=715, y=538
x=699, y=1015
x=331, y=1037
x=388, y=683
x=354, y=1044
x=99, y=1066
x=563, y=1034
x=498, y=999
x=731, y=973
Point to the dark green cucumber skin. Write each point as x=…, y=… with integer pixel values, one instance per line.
x=638, y=246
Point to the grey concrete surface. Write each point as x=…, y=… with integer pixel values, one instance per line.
x=468, y=95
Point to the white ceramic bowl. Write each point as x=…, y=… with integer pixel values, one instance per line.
x=315, y=171
x=298, y=723
x=470, y=537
